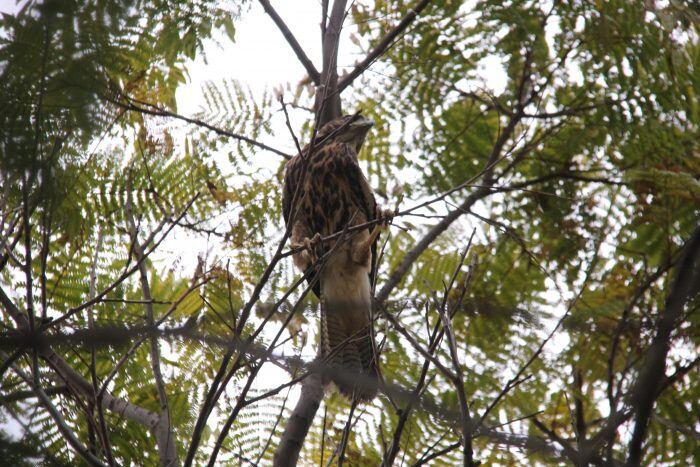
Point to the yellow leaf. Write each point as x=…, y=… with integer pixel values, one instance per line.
x=221, y=196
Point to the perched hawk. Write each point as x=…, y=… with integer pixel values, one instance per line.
x=331, y=195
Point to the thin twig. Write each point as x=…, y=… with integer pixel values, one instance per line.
x=382, y=45
x=63, y=427
x=151, y=109
x=293, y=43
x=166, y=443
x=104, y=433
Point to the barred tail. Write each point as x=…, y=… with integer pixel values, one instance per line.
x=348, y=348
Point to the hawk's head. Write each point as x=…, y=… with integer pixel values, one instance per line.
x=349, y=129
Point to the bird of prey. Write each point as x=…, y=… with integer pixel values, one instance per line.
x=325, y=192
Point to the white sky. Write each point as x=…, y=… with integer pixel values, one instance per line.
x=261, y=57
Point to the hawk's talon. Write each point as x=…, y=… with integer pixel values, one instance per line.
x=309, y=247
x=311, y=244
x=385, y=216
x=361, y=251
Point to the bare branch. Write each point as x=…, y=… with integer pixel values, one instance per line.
x=436, y=454
x=458, y=373
x=327, y=103
x=28, y=252
x=164, y=433
x=346, y=434
x=685, y=287
x=382, y=46
x=299, y=422
x=22, y=395
x=301, y=55
x=63, y=427
x=151, y=109
x=104, y=433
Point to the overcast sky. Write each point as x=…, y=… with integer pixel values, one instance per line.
x=261, y=57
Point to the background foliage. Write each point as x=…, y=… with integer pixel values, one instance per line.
x=586, y=112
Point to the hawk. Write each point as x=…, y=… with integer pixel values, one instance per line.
x=332, y=194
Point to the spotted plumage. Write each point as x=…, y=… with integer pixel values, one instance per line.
x=332, y=194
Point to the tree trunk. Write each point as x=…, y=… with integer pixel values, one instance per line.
x=327, y=104
x=327, y=107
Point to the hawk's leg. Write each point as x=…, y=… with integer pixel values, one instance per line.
x=309, y=253
x=361, y=251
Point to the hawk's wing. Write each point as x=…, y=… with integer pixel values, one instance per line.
x=292, y=176
x=364, y=197
x=290, y=183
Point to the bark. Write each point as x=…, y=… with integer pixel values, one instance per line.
x=299, y=422
x=327, y=104
x=292, y=41
x=686, y=286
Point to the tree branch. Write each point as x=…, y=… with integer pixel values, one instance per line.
x=301, y=55
x=77, y=382
x=63, y=427
x=382, y=46
x=298, y=424
x=459, y=374
x=151, y=109
x=164, y=433
x=644, y=395
x=22, y=395
x=104, y=432
x=487, y=173
x=327, y=105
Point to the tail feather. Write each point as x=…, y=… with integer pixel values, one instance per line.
x=347, y=340
x=349, y=352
